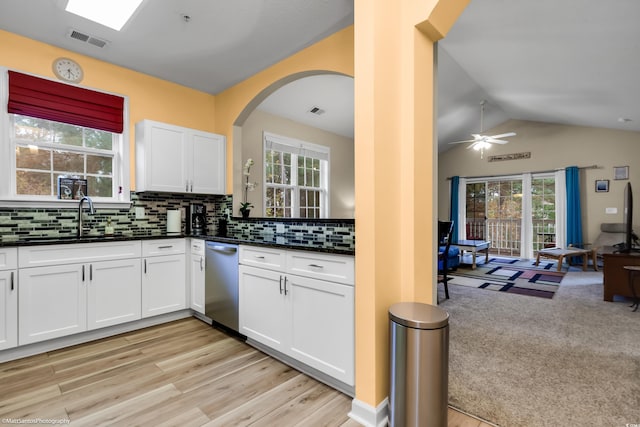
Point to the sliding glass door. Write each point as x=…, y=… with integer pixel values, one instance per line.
x=495, y=211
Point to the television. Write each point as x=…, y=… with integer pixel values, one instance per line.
x=630, y=237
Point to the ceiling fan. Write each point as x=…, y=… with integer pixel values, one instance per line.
x=481, y=142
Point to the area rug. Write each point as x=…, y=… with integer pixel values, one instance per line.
x=511, y=275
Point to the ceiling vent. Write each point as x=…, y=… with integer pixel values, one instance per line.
x=317, y=111
x=77, y=35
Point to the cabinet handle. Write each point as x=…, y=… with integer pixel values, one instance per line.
x=12, y=287
x=191, y=187
x=165, y=247
x=285, y=285
x=186, y=187
x=90, y=272
x=145, y=266
x=83, y=273
x=280, y=285
x=316, y=266
x=201, y=263
x=259, y=257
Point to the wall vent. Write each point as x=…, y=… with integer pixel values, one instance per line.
x=77, y=35
x=317, y=111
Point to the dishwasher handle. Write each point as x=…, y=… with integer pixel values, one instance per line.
x=220, y=248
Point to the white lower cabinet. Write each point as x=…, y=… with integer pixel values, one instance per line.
x=113, y=293
x=8, y=298
x=196, y=275
x=263, y=307
x=163, y=276
x=308, y=319
x=58, y=297
x=52, y=302
x=322, y=326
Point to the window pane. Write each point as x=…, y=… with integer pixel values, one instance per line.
x=287, y=175
x=95, y=138
x=100, y=186
x=277, y=174
x=301, y=176
x=67, y=134
x=31, y=129
x=303, y=197
x=37, y=183
x=33, y=158
x=316, y=177
x=101, y=165
x=68, y=162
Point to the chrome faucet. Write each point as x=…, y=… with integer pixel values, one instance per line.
x=91, y=211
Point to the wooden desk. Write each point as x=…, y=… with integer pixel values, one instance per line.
x=616, y=278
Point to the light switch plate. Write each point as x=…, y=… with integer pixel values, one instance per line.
x=139, y=212
x=611, y=210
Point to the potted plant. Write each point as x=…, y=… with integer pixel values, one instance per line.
x=245, y=205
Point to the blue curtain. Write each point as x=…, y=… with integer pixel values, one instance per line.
x=453, y=210
x=574, y=213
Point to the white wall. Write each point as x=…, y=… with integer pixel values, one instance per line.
x=341, y=179
x=554, y=146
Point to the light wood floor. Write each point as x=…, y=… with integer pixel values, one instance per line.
x=182, y=373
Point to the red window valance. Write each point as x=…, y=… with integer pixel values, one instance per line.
x=46, y=99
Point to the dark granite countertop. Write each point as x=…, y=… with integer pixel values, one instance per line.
x=283, y=242
x=60, y=240
x=270, y=240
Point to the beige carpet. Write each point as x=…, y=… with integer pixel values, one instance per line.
x=573, y=360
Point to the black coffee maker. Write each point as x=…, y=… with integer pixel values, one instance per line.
x=196, y=220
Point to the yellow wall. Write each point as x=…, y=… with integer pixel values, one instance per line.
x=395, y=170
x=149, y=97
x=333, y=54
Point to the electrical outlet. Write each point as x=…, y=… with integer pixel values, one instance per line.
x=611, y=210
x=139, y=212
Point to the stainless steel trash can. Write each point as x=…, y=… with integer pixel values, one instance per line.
x=419, y=388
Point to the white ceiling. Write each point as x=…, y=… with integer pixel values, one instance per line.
x=570, y=61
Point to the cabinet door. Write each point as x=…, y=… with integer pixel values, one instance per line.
x=263, y=307
x=322, y=326
x=163, y=284
x=52, y=302
x=161, y=158
x=113, y=294
x=8, y=309
x=196, y=277
x=208, y=160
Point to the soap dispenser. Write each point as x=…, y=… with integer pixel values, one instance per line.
x=108, y=229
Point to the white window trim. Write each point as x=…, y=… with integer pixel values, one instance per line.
x=295, y=146
x=121, y=163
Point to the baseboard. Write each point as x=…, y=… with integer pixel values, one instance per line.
x=83, y=337
x=369, y=416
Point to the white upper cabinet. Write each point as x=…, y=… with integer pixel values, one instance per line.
x=180, y=160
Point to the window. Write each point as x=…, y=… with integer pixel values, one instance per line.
x=40, y=150
x=46, y=150
x=295, y=178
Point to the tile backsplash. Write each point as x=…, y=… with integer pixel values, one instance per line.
x=30, y=223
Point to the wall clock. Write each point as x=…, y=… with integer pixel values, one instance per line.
x=68, y=70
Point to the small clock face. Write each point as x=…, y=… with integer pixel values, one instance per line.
x=68, y=70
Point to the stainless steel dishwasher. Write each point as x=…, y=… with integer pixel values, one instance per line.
x=221, y=284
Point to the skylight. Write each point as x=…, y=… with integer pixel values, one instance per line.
x=111, y=13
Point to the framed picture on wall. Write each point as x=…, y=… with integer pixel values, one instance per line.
x=621, y=172
x=602, y=185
